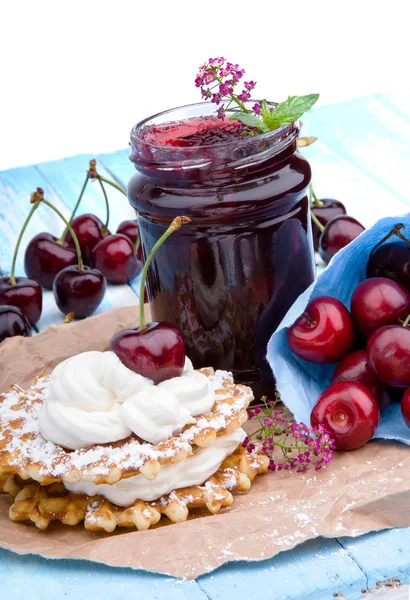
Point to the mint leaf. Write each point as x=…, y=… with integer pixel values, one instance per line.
x=250, y=120
x=289, y=111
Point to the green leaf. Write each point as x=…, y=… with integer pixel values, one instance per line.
x=265, y=112
x=289, y=111
x=250, y=120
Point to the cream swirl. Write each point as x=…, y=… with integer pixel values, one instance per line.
x=93, y=398
x=193, y=471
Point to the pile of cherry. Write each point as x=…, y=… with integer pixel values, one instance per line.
x=76, y=266
x=371, y=345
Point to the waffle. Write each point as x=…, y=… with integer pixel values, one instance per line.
x=24, y=452
x=43, y=504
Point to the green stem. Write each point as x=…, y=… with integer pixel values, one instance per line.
x=137, y=244
x=233, y=96
x=407, y=321
x=176, y=224
x=114, y=184
x=16, y=249
x=71, y=230
x=316, y=202
x=107, y=207
x=77, y=204
x=316, y=221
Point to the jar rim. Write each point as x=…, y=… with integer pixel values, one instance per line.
x=281, y=132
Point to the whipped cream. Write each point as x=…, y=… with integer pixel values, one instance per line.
x=193, y=471
x=92, y=398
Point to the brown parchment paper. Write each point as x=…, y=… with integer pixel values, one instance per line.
x=361, y=491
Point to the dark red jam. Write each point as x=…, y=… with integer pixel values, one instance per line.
x=229, y=277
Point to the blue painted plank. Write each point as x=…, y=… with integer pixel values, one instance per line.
x=314, y=570
x=366, y=133
x=67, y=177
x=37, y=578
x=16, y=187
x=119, y=165
x=382, y=555
x=335, y=177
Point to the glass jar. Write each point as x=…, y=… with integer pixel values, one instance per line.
x=228, y=278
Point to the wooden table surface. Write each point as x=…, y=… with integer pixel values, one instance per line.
x=362, y=158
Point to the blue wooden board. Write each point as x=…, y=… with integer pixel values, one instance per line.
x=362, y=158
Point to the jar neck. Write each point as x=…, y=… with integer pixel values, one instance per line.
x=166, y=156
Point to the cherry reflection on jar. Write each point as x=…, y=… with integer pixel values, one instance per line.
x=228, y=278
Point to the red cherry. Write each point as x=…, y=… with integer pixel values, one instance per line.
x=13, y=322
x=45, y=257
x=388, y=350
x=324, y=333
x=325, y=210
x=89, y=231
x=156, y=351
x=25, y=293
x=79, y=291
x=115, y=257
x=405, y=407
x=349, y=412
x=377, y=302
x=131, y=230
x=355, y=367
x=337, y=234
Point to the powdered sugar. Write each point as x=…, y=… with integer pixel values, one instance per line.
x=29, y=453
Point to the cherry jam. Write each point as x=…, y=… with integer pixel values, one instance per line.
x=229, y=277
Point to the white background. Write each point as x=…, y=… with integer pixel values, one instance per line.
x=76, y=75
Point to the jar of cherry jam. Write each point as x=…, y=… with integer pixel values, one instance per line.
x=228, y=278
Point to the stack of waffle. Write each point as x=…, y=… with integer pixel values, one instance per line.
x=34, y=470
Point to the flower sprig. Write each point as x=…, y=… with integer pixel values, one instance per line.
x=300, y=445
x=217, y=80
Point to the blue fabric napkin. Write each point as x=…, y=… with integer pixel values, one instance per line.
x=299, y=382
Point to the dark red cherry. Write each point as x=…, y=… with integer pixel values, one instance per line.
x=13, y=322
x=377, y=302
x=26, y=294
x=324, y=333
x=325, y=210
x=349, y=412
x=391, y=260
x=89, y=231
x=45, y=257
x=355, y=367
x=156, y=351
x=115, y=257
x=337, y=234
x=405, y=407
x=388, y=350
x=79, y=291
x=131, y=230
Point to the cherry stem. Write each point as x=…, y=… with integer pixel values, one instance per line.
x=77, y=204
x=316, y=202
x=114, y=184
x=395, y=231
x=407, y=321
x=71, y=230
x=37, y=195
x=176, y=224
x=107, y=206
x=316, y=221
x=137, y=243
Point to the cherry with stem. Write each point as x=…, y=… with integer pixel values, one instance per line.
x=22, y=292
x=78, y=289
x=155, y=350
